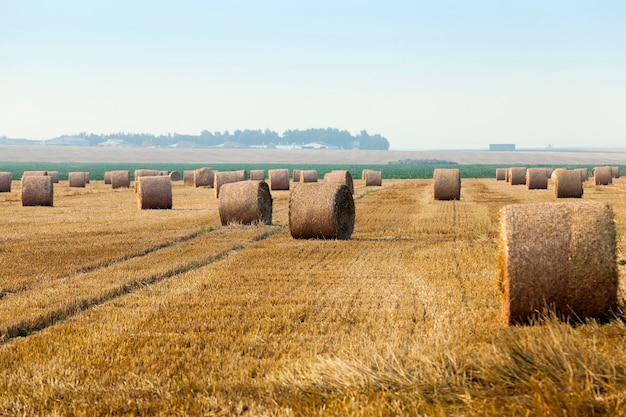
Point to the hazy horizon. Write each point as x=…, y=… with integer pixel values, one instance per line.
x=425, y=75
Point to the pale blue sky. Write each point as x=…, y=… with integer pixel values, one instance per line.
x=424, y=74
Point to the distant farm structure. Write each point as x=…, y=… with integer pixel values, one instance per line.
x=501, y=146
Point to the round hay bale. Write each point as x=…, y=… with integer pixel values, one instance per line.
x=500, y=174
x=77, y=179
x=446, y=184
x=203, y=177
x=245, y=202
x=364, y=173
x=5, y=182
x=554, y=172
x=296, y=175
x=107, y=177
x=174, y=175
x=243, y=175
x=120, y=179
x=188, y=177
x=279, y=179
x=154, y=193
x=308, y=175
x=603, y=175
x=145, y=173
x=257, y=174
x=321, y=210
x=163, y=173
x=568, y=184
x=34, y=174
x=224, y=177
x=342, y=177
x=373, y=178
x=559, y=256
x=584, y=174
x=536, y=179
x=518, y=176
x=37, y=190
x=87, y=177
x=615, y=172
x=55, y=176
x=507, y=175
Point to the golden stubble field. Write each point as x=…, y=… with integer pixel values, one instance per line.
x=109, y=310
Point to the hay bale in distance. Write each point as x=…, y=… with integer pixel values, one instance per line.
x=120, y=179
x=5, y=182
x=174, y=175
x=615, y=172
x=568, y=184
x=55, y=176
x=279, y=179
x=257, y=175
x=37, y=190
x=107, y=177
x=584, y=174
x=321, y=210
x=296, y=175
x=188, y=178
x=34, y=174
x=203, y=177
x=536, y=179
x=560, y=256
x=373, y=178
x=243, y=175
x=603, y=175
x=245, y=202
x=77, y=179
x=517, y=176
x=500, y=174
x=446, y=184
x=224, y=177
x=87, y=177
x=308, y=175
x=154, y=192
x=342, y=177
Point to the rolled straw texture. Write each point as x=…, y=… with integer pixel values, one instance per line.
x=554, y=172
x=174, y=175
x=603, y=175
x=34, y=173
x=55, y=176
x=188, y=178
x=517, y=176
x=342, y=177
x=373, y=178
x=145, y=173
x=243, y=175
x=446, y=184
x=321, y=210
x=5, y=182
x=154, y=193
x=120, y=179
x=308, y=175
x=507, y=175
x=37, y=191
x=257, y=174
x=203, y=177
x=107, y=177
x=224, y=177
x=536, y=179
x=296, y=175
x=279, y=179
x=245, y=202
x=87, y=177
x=584, y=173
x=559, y=256
x=500, y=174
x=615, y=172
x=568, y=184
x=77, y=179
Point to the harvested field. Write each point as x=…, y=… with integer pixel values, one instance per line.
x=106, y=309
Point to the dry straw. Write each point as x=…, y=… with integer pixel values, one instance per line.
x=536, y=179
x=584, y=174
x=87, y=177
x=321, y=210
x=279, y=179
x=568, y=184
x=120, y=179
x=188, y=178
x=603, y=175
x=446, y=184
x=174, y=175
x=107, y=177
x=37, y=190
x=55, y=176
x=507, y=175
x=373, y=178
x=224, y=177
x=501, y=174
x=77, y=179
x=243, y=175
x=615, y=172
x=203, y=177
x=154, y=192
x=308, y=175
x=296, y=175
x=245, y=202
x=517, y=176
x=554, y=172
x=34, y=173
x=5, y=182
x=559, y=256
x=342, y=177
x=257, y=174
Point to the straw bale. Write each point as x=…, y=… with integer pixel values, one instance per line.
x=615, y=172
x=224, y=177
x=203, y=177
x=245, y=202
x=296, y=175
x=342, y=177
x=536, y=179
x=188, y=178
x=507, y=175
x=257, y=174
x=107, y=177
x=5, y=182
x=145, y=173
x=554, y=172
x=37, y=190
x=321, y=210
x=584, y=174
x=154, y=192
x=174, y=175
x=568, y=184
x=559, y=256
x=373, y=178
x=603, y=175
x=55, y=176
x=517, y=176
x=120, y=179
x=500, y=174
x=279, y=179
x=243, y=175
x=163, y=173
x=77, y=179
x=34, y=173
x=87, y=177
x=446, y=184
x=308, y=175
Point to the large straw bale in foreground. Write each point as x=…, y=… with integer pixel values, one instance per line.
x=224, y=177
x=279, y=179
x=257, y=175
x=517, y=176
x=560, y=256
x=446, y=184
x=373, y=178
x=154, y=192
x=342, y=177
x=120, y=179
x=37, y=190
x=500, y=174
x=568, y=184
x=603, y=175
x=5, y=182
x=321, y=210
x=77, y=179
x=308, y=175
x=245, y=202
x=536, y=179
x=203, y=177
